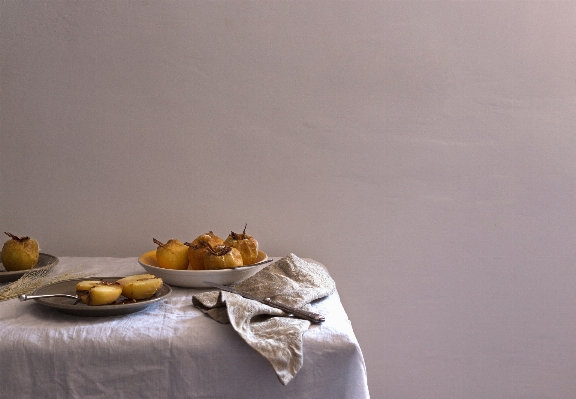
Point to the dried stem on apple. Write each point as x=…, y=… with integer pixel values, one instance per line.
x=19, y=239
x=220, y=250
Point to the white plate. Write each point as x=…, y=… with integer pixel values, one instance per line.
x=196, y=278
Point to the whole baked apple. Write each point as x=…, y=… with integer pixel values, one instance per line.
x=20, y=253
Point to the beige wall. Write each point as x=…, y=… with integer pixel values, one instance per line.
x=423, y=151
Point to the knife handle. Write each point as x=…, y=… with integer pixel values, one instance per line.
x=300, y=313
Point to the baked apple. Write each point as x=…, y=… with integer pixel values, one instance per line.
x=96, y=292
x=197, y=249
x=246, y=244
x=140, y=286
x=172, y=255
x=19, y=253
x=222, y=257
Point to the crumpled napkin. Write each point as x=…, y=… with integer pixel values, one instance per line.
x=291, y=281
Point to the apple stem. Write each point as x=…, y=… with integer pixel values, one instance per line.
x=239, y=236
x=19, y=239
x=196, y=246
x=223, y=249
x=157, y=242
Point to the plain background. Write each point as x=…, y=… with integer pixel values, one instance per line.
x=423, y=151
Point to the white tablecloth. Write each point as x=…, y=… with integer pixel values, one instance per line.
x=169, y=350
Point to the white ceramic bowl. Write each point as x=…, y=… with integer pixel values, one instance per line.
x=196, y=278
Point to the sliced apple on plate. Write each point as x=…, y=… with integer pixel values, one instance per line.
x=140, y=286
x=96, y=292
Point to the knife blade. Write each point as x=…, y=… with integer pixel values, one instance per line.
x=300, y=313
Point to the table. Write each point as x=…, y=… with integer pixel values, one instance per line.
x=168, y=350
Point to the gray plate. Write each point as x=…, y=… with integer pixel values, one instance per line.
x=44, y=261
x=69, y=305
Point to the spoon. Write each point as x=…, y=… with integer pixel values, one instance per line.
x=24, y=297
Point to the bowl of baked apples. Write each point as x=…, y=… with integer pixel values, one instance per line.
x=208, y=258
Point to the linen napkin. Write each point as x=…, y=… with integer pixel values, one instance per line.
x=291, y=281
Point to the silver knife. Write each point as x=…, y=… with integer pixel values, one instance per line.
x=300, y=313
